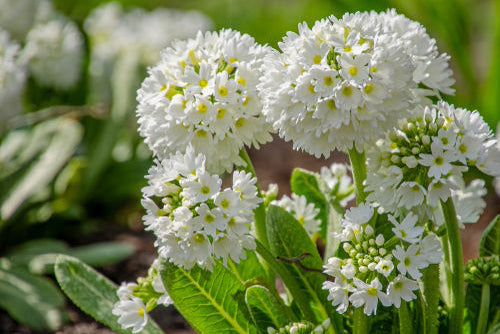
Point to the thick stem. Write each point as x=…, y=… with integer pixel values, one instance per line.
x=430, y=284
x=405, y=323
x=456, y=285
x=360, y=321
x=358, y=164
x=260, y=211
x=482, y=321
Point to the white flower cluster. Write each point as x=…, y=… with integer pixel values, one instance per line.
x=113, y=31
x=203, y=92
x=304, y=212
x=55, y=50
x=422, y=161
x=196, y=222
x=12, y=77
x=137, y=299
x=53, y=45
x=344, y=81
x=303, y=327
x=339, y=183
x=375, y=269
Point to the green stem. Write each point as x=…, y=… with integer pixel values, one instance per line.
x=430, y=301
x=299, y=296
x=405, y=322
x=482, y=321
x=358, y=164
x=260, y=211
x=360, y=321
x=457, y=285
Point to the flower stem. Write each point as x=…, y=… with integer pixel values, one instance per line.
x=405, y=323
x=456, y=285
x=430, y=301
x=358, y=164
x=260, y=211
x=482, y=321
x=360, y=322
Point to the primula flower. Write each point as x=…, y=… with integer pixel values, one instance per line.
x=203, y=93
x=344, y=81
x=195, y=222
x=304, y=212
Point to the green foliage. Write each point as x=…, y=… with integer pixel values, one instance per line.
x=288, y=238
x=306, y=183
x=92, y=293
x=32, y=300
x=490, y=240
x=266, y=310
x=211, y=301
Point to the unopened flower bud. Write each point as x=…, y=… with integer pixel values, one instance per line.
x=380, y=240
x=382, y=251
x=426, y=140
x=363, y=269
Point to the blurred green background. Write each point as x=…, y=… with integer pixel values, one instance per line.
x=72, y=175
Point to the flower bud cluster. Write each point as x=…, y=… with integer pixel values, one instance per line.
x=483, y=270
x=374, y=269
x=137, y=299
x=304, y=327
x=195, y=222
x=422, y=161
x=203, y=92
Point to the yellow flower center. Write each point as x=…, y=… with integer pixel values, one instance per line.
x=368, y=88
x=353, y=70
x=317, y=59
x=347, y=90
x=222, y=90
x=203, y=82
x=372, y=291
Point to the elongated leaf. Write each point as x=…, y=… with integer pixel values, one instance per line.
x=265, y=309
x=31, y=300
x=247, y=269
x=490, y=240
x=210, y=301
x=92, y=293
x=24, y=253
x=67, y=135
x=288, y=238
x=305, y=183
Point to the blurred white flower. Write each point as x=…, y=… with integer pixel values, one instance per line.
x=55, y=52
x=12, y=77
x=304, y=212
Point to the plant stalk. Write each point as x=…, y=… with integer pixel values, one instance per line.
x=360, y=321
x=405, y=323
x=430, y=291
x=456, y=286
x=482, y=320
x=358, y=164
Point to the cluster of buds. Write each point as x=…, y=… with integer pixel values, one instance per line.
x=483, y=270
x=303, y=327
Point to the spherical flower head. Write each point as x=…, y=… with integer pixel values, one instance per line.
x=342, y=82
x=17, y=17
x=421, y=161
x=12, y=77
x=55, y=50
x=203, y=92
x=304, y=212
x=196, y=222
x=483, y=270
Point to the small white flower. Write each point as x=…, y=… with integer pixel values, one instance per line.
x=407, y=230
x=338, y=294
x=409, y=260
x=439, y=190
x=384, y=267
x=401, y=288
x=368, y=295
x=202, y=188
x=438, y=161
x=360, y=214
x=159, y=287
x=131, y=313
x=304, y=212
x=430, y=249
x=411, y=194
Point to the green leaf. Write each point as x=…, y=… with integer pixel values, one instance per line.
x=31, y=300
x=265, y=309
x=210, y=301
x=92, y=293
x=490, y=240
x=24, y=253
x=306, y=183
x=66, y=134
x=288, y=238
x=247, y=269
